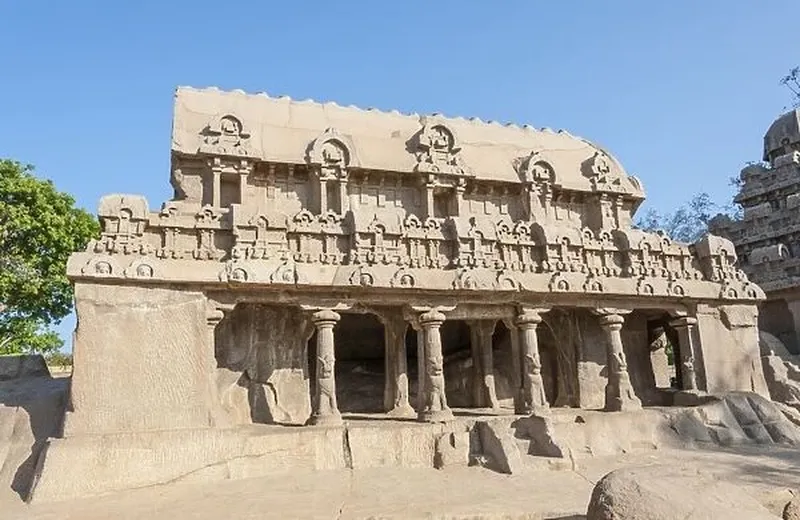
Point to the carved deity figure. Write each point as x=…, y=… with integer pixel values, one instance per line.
x=102, y=268
x=332, y=154
x=144, y=271
x=436, y=398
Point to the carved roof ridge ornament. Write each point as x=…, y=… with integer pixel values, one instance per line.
x=332, y=151
x=438, y=149
x=225, y=134
x=536, y=167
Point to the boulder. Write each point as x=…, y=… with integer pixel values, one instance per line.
x=19, y=366
x=668, y=492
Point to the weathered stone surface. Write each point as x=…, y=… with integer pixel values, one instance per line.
x=25, y=365
x=142, y=361
x=452, y=449
x=737, y=418
x=542, y=434
x=94, y=465
x=31, y=410
x=667, y=493
x=499, y=447
x=792, y=509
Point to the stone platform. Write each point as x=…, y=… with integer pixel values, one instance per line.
x=90, y=466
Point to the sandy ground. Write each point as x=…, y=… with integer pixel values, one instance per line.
x=765, y=473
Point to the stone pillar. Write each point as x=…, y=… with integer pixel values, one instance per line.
x=684, y=327
x=516, y=360
x=476, y=377
x=216, y=190
x=794, y=309
x=324, y=409
x=323, y=195
x=421, y=376
x=484, y=330
x=395, y=394
x=429, y=204
x=531, y=396
x=213, y=317
x=344, y=198
x=619, y=391
x=434, y=401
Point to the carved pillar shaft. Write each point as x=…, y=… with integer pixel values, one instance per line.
x=344, y=198
x=434, y=403
x=532, y=397
x=421, y=376
x=323, y=196
x=212, y=320
x=325, y=410
x=476, y=381
x=461, y=203
x=619, y=391
x=216, y=197
x=484, y=330
x=430, y=212
x=395, y=394
x=684, y=327
x=516, y=364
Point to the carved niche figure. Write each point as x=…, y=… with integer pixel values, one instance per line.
x=225, y=136
x=438, y=151
x=332, y=153
x=536, y=168
x=144, y=271
x=102, y=268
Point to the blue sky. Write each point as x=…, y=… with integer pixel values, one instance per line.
x=681, y=92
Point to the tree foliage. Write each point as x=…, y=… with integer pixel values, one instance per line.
x=39, y=228
x=688, y=223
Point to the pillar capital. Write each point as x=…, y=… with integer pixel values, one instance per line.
x=432, y=318
x=529, y=317
x=325, y=317
x=683, y=321
x=611, y=318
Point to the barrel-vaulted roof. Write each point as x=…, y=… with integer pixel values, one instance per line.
x=284, y=130
x=783, y=132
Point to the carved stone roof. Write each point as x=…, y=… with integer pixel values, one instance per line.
x=283, y=130
x=784, y=131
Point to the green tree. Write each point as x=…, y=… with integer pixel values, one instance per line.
x=39, y=228
x=687, y=223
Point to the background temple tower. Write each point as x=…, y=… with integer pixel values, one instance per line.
x=767, y=238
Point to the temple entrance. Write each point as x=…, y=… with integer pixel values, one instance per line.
x=412, y=365
x=359, y=348
x=503, y=366
x=663, y=347
x=458, y=363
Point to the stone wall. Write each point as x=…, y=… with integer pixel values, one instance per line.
x=729, y=356
x=142, y=361
x=262, y=373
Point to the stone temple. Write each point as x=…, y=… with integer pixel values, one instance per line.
x=322, y=265
x=767, y=236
